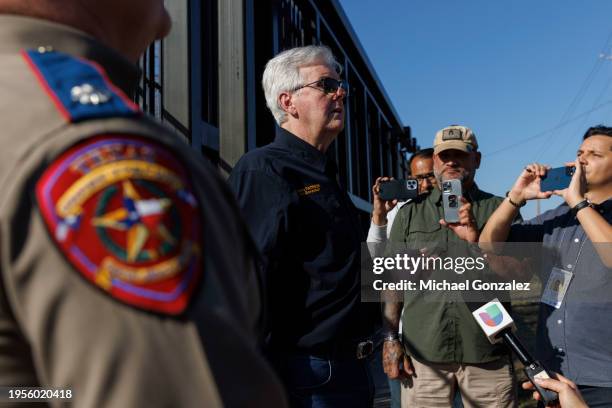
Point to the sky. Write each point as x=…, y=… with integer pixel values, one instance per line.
x=523, y=74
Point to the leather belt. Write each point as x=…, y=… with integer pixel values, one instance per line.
x=353, y=350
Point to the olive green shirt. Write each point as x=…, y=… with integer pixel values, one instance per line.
x=440, y=327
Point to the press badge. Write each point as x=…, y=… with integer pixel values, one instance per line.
x=556, y=287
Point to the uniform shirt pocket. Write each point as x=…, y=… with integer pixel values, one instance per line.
x=426, y=235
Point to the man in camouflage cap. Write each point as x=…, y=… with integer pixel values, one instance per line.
x=441, y=348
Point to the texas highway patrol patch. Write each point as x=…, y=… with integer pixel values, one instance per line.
x=122, y=211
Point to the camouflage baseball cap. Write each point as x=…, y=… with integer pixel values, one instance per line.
x=455, y=137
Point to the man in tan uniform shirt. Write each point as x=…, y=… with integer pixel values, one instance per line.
x=126, y=276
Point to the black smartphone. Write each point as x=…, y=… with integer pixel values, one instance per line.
x=401, y=190
x=557, y=178
x=536, y=370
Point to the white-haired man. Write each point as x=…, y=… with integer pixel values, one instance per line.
x=308, y=232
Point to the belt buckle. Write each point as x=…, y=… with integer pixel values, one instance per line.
x=364, y=349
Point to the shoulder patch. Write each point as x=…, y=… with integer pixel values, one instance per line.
x=122, y=211
x=79, y=88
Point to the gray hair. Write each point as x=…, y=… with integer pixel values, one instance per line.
x=282, y=73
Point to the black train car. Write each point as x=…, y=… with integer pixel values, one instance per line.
x=204, y=81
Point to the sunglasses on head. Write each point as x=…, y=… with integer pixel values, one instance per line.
x=327, y=85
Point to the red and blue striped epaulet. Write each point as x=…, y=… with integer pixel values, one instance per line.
x=79, y=88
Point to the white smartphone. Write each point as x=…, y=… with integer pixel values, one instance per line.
x=451, y=199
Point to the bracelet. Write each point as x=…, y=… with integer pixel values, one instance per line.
x=391, y=337
x=516, y=205
x=580, y=206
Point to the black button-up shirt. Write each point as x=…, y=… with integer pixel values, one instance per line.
x=309, y=234
x=575, y=339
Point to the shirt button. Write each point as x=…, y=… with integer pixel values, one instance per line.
x=44, y=49
x=576, y=240
x=559, y=321
x=570, y=266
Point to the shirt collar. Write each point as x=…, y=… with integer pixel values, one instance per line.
x=304, y=150
x=24, y=33
x=606, y=205
x=435, y=195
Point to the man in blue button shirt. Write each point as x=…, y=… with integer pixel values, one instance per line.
x=575, y=320
x=309, y=234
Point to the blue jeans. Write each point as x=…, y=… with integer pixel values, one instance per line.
x=315, y=382
x=395, y=389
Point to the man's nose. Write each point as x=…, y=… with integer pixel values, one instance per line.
x=340, y=93
x=425, y=184
x=451, y=162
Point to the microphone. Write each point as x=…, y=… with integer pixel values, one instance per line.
x=498, y=326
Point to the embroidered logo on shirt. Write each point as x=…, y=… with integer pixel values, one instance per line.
x=122, y=211
x=310, y=189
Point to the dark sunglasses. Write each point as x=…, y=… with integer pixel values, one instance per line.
x=327, y=85
x=429, y=176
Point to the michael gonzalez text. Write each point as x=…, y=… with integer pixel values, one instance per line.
x=445, y=285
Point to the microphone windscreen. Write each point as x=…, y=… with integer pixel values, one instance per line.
x=493, y=318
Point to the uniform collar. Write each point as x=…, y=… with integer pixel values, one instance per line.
x=304, y=150
x=24, y=33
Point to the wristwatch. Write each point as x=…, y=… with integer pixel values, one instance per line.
x=580, y=206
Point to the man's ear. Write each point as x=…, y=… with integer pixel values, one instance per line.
x=477, y=157
x=285, y=101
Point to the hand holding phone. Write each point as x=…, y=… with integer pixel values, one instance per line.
x=451, y=200
x=527, y=185
x=401, y=190
x=558, y=178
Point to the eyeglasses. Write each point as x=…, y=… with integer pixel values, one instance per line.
x=327, y=85
x=429, y=176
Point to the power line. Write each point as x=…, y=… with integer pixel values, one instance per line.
x=581, y=91
x=602, y=57
x=584, y=121
x=544, y=133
